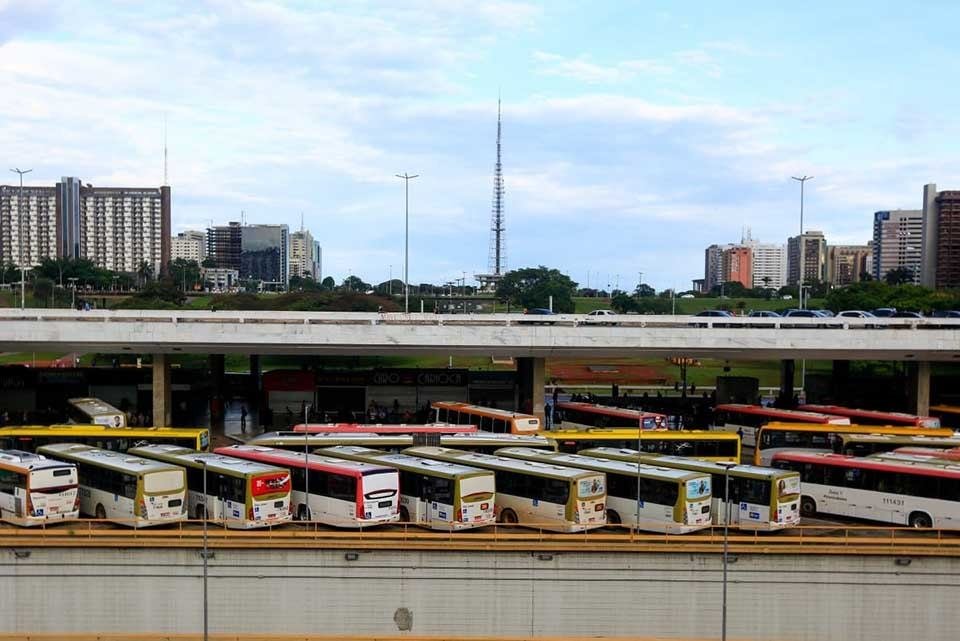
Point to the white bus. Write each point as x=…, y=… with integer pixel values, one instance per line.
x=761, y=498
x=434, y=494
x=476, y=441
x=241, y=494
x=35, y=490
x=95, y=411
x=342, y=493
x=649, y=497
x=538, y=495
x=903, y=492
x=128, y=490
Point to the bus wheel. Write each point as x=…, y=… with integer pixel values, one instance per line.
x=201, y=513
x=808, y=507
x=509, y=517
x=920, y=520
x=302, y=512
x=613, y=518
x=100, y=512
x=404, y=514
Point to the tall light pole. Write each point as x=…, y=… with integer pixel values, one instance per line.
x=306, y=460
x=726, y=546
x=23, y=280
x=406, y=239
x=802, y=180
x=73, y=289
x=206, y=516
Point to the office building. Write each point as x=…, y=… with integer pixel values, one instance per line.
x=189, y=245
x=223, y=246
x=304, y=255
x=897, y=242
x=847, y=264
x=941, y=238
x=220, y=279
x=713, y=266
x=264, y=255
x=118, y=229
x=769, y=265
x=807, y=258
x=737, y=266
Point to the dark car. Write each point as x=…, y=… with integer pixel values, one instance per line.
x=945, y=313
x=884, y=312
x=538, y=311
x=716, y=313
x=802, y=313
x=907, y=314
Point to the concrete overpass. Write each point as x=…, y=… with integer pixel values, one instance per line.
x=527, y=338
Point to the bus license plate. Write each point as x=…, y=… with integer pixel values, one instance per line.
x=384, y=504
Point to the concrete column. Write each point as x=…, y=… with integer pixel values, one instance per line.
x=786, y=383
x=923, y=388
x=162, y=403
x=531, y=377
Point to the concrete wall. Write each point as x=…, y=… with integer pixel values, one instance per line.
x=771, y=597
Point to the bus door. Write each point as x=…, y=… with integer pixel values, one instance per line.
x=438, y=494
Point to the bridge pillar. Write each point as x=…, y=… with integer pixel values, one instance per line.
x=785, y=398
x=162, y=403
x=531, y=377
x=921, y=387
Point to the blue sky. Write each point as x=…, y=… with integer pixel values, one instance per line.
x=635, y=133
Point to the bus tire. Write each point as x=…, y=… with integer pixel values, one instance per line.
x=508, y=517
x=302, y=512
x=100, y=512
x=201, y=512
x=613, y=518
x=920, y=520
x=808, y=507
x=404, y=514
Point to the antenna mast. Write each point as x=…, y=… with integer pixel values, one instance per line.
x=166, y=182
x=498, y=256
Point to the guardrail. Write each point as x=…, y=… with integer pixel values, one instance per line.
x=468, y=320
x=213, y=636
x=805, y=539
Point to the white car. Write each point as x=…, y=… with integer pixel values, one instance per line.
x=600, y=317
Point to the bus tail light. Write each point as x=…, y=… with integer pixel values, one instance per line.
x=143, y=508
x=459, y=514
x=250, y=513
x=29, y=505
x=76, y=502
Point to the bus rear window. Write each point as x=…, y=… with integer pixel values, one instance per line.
x=160, y=482
x=66, y=471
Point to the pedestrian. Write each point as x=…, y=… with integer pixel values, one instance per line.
x=693, y=389
x=243, y=418
x=548, y=415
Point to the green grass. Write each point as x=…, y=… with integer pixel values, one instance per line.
x=28, y=357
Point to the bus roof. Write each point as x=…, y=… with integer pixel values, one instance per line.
x=286, y=458
x=607, y=410
x=858, y=429
x=95, y=408
x=697, y=465
x=601, y=433
x=773, y=412
x=906, y=439
x=921, y=467
x=378, y=428
x=499, y=463
x=491, y=438
x=28, y=461
x=481, y=410
x=326, y=439
x=403, y=461
x=188, y=457
x=118, y=461
x=949, y=453
x=629, y=468
x=945, y=409
x=895, y=418
x=98, y=430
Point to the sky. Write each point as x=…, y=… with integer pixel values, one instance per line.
x=634, y=133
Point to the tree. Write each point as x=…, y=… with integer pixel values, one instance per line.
x=644, y=290
x=42, y=290
x=185, y=272
x=355, y=284
x=533, y=286
x=208, y=263
x=328, y=284
x=899, y=276
x=144, y=272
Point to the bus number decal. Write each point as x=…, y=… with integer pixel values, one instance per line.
x=892, y=501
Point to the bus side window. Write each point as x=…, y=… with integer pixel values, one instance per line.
x=9, y=481
x=500, y=426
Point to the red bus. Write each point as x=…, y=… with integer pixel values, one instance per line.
x=362, y=428
x=342, y=493
x=945, y=453
x=747, y=419
x=874, y=417
x=573, y=415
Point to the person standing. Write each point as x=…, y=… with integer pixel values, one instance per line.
x=243, y=418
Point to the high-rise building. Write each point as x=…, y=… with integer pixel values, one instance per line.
x=318, y=261
x=737, y=266
x=189, y=245
x=897, y=242
x=941, y=238
x=713, y=266
x=303, y=257
x=116, y=228
x=847, y=264
x=264, y=251
x=769, y=265
x=807, y=258
x=223, y=246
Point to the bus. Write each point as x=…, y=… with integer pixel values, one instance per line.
x=474, y=441
x=485, y=418
x=96, y=412
x=949, y=415
x=913, y=493
x=579, y=416
x=705, y=444
x=30, y=437
x=377, y=428
x=649, y=497
x=867, y=444
x=747, y=419
x=942, y=453
x=435, y=494
x=240, y=494
x=35, y=490
x=346, y=494
x=761, y=498
x=125, y=489
x=533, y=494
x=874, y=417
x=823, y=438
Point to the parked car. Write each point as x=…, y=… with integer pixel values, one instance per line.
x=854, y=313
x=538, y=311
x=763, y=313
x=600, y=317
x=715, y=313
x=802, y=313
x=945, y=313
x=884, y=312
x=907, y=314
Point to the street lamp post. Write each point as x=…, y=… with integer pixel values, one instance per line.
x=73, y=291
x=726, y=546
x=23, y=280
x=206, y=516
x=306, y=461
x=406, y=239
x=802, y=180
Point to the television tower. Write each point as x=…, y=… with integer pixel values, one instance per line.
x=498, y=242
